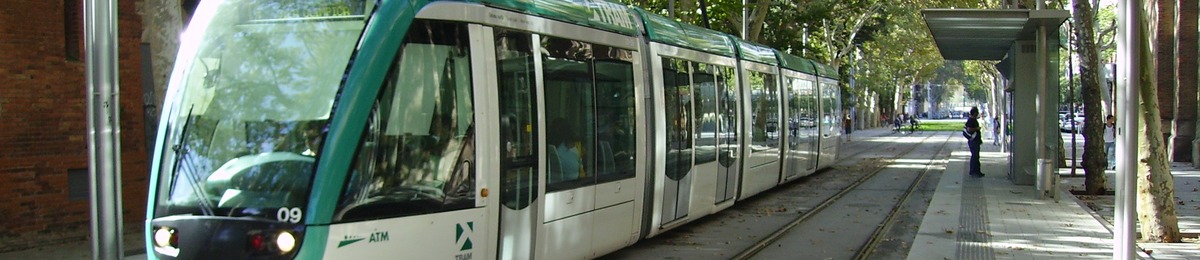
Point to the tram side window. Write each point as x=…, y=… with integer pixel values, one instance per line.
x=589, y=112
x=615, y=114
x=765, y=110
x=518, y=125
x=830, y=110
x=678, y=106
x=807, y=108
x=417, y=149
x=727, y=95
x=704, y=84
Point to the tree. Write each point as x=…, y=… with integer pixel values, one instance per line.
x=722, y=15
x=1094, y=154
x=1155, y=192
x=987, y=76
x=162, y=22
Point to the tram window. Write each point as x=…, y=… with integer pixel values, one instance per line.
x=806, y=107
x=727, y=121
x=830, y=115
x=615, y=117
x=704, y=83
x=678, y=107
x=764, y=104
x=518, y=125
x=566, y=65
x=589, y=108
x=418, y=146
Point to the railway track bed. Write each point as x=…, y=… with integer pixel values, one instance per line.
x=834, y=214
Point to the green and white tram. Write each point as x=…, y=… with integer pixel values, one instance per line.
x=487, y=129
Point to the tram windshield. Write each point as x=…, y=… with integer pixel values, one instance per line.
x=251, y=94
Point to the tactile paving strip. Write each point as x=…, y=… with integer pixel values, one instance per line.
x=974, y=239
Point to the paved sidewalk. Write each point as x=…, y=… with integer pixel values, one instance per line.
x=991, y=218
x=134, y=250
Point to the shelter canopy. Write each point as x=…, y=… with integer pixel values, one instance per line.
x=986, y=34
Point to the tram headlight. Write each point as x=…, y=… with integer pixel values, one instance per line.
x=285, y=241
x=165, y=237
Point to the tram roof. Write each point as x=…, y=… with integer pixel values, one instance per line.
x=668, y=31
x=797, y=63
x=755, y=52
x=592, y=13
x=825, y=71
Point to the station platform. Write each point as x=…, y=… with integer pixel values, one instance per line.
x=991, y=218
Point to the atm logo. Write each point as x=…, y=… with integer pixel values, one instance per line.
x=371, y=238
x=462, y=235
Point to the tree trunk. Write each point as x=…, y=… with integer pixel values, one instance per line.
x=1186, y=67
x=162, y=22
x=1155, y=189
x=1063, y=162
x=761, y=8
x=1094, y=154
x=685, y=11
x=1164, y=64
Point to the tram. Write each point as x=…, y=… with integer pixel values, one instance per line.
x=485, y=129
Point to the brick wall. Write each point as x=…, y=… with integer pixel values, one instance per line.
x=43, y=123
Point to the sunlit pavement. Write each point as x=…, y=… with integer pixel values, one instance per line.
x=79, y=250
x=1014, y=223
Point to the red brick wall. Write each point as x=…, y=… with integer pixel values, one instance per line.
x=43, y=124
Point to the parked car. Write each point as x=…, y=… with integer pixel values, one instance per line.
x=1066, y=122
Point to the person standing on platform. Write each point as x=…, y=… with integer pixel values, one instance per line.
x=974, y=140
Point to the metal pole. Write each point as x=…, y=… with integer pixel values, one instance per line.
x=1043, y=110
x=1071, y=96
x=671, y=8
x=1129, y=56
x=104, y=153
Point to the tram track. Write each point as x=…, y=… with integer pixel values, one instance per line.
x=877, y=235
x=731, y=231
x=882, y=229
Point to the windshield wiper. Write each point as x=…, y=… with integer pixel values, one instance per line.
x=181, y=155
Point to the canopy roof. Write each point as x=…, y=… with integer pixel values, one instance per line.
x=986, y=34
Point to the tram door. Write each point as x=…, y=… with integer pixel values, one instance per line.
x=728, y=147
x=831, y=121
x=677, y=92
x=518, y=147
x=796, y=144
x=801, y=109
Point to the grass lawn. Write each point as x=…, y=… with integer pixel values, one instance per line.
x=942, y=126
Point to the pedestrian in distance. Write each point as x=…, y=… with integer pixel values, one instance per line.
x=974, y=140
x=847, y=126
x=1110, y=141
x=995, y=130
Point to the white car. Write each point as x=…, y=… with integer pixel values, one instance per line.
x=1065, y=122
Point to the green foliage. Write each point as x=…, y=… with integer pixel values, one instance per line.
x=886, y=42
x=1106, y=22
x=943, y=126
